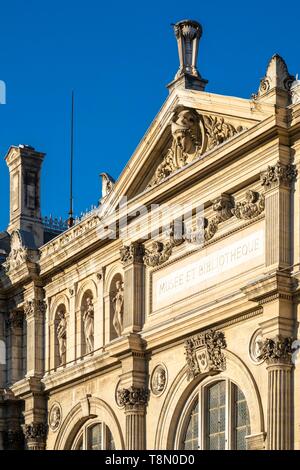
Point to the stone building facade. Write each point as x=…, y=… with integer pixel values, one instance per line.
x=180, y=334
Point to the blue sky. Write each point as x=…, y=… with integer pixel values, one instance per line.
x=118, y=57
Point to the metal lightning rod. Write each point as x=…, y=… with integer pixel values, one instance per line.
x=71, y=218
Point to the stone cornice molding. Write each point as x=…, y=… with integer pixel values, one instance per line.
x=273, y=286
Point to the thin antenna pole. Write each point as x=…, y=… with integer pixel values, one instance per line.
x=71, y=219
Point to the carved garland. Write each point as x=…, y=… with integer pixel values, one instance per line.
x=206, y=229
x=160, y=252
x=252, y=207
x=254, y=204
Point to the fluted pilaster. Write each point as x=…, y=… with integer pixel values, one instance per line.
x=278, y=353
x=134, y=281
x=277, y=181
x=135, y=429
x=134, y=400
x=279, y=407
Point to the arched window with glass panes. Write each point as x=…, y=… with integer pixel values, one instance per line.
x=94, y=435
x=216, y=418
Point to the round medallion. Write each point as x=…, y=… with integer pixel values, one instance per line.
x=117, y=395
x=55, y=417
x=159, y=379
x=255, y=346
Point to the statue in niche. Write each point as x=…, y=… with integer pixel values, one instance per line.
x=88, y=323
x=61, y=332
x=118, y=302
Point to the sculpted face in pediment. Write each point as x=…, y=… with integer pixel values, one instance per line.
x=193, y=134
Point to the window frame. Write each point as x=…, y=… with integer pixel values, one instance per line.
x=84, y=431
x=201, y=393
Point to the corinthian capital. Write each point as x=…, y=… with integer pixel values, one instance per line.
x=34, y=307
x=15, y=320
x=278, y=174
x=276, y=350
x=133, y=396
x=35, y=432
x=132, y=253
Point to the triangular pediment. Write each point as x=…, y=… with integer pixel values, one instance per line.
x=189, y=125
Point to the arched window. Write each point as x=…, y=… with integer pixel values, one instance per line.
x=217, y=418
x=94, y=436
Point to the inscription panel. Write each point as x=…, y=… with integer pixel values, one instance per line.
x=202, y=269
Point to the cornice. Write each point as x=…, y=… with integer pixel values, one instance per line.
x=76, y=373
x=270, y=287
x=26, y=386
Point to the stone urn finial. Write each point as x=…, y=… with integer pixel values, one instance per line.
x=188, y=34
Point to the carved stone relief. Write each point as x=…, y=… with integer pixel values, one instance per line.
x=204, y=353
x=15, y=320
x=255, y=346
x=206, y=229
x=14, y=439
x=193, y=134
x=159, y=378
x=158, y=253
x=35, y=307
x=251, y=207
x=19, y=254
x=55, y=417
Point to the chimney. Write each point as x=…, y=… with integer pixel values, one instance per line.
x=24, y=164
x=188, y=34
